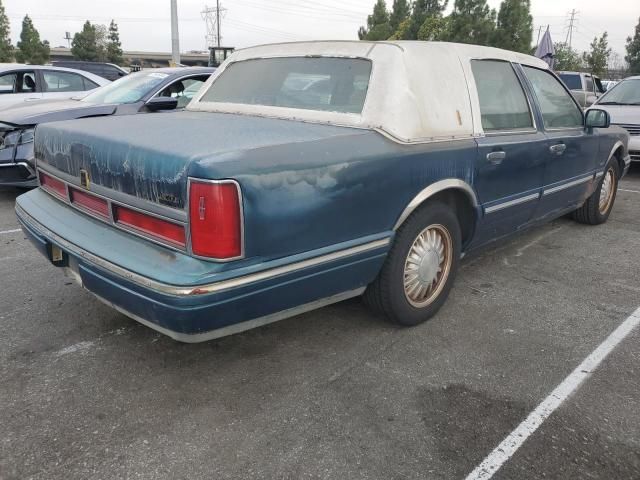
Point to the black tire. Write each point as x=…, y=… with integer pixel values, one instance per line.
x=591, y=213
x=386, y=295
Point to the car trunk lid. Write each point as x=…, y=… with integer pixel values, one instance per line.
x=149, y=156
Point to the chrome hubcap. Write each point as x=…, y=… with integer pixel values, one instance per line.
x=606, y=191
x=427, y=265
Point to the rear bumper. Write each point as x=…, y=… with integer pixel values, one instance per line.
x=193, y=312
x=18, y=174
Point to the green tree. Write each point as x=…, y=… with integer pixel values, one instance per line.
x=566, y=58
x=30, y=48
x=598, y=58
x=399, y=13
x=433, y=28
x=514, y=30
x=425, y=11
x=402, y=33
x=378, y=26
x=84, y=45
x=633, y=51
x=114, y=47
x=6, y=49
x=471, y=21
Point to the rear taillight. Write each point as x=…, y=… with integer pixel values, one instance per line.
x=89, y=202
x=53, y=185
x=215, y=215
x=149, y=225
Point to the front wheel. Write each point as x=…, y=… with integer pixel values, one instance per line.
x=420, y=268
x=597, y=208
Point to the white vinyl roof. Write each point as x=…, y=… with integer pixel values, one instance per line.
x=418, y=91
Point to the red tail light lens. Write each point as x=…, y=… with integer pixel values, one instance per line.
x=149, y=225
x=216, y=219
x=90, y=202
x=53, y=185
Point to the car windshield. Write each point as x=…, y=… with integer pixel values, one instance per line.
x=129, y=89
x=309, y=83
x=571, y=80
x=624, y=93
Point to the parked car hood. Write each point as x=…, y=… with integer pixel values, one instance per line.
x=43, y=111
x=151, y=156
x=622, y=114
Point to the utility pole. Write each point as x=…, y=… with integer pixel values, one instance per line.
x=572, y=24
x=175, y=40
x=218, y=20
x=212, y=17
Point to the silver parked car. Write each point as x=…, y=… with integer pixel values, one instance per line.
x=24, y=83
x=623, y=104
x=585, y=88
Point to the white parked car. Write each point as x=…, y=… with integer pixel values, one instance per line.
x=23, y=83
x=623, y=104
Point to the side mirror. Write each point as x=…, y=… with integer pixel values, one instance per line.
x=162, y=103
x=597, y=119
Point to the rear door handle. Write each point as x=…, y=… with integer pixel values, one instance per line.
x=558, y=149
x=496, y=158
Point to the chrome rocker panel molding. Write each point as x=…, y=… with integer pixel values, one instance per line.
x=512, y=203
x=186, y=291
x=564, y=186
x=431, y=190
x=238, y=327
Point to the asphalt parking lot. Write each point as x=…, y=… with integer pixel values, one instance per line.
x=335, y=393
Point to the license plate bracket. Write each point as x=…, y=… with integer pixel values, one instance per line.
x=57, y=256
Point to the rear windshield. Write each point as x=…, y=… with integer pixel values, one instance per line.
x=571, y=80
x=310, y=83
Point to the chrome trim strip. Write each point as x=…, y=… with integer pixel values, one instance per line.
x=191, y=180
x=125, y=199
x=565, y=186
x=512, y=203
x=598, y=175
x=111, y=220
x=196, y=289
x=451, y=183
x=237, y=327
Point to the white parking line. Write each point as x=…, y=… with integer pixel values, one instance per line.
x=630, y=191
x=514, y=441
x=15, y=230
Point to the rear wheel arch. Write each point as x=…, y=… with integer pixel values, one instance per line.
x=457, y=195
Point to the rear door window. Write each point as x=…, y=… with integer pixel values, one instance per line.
x=503, y=103
x=62, y=82
x=559, y=110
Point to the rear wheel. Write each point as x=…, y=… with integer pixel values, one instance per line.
x=420, y=267
x=597, y=208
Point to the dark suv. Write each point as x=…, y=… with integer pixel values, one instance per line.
x=105, y=70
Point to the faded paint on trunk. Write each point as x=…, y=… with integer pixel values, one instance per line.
x=150, y=156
